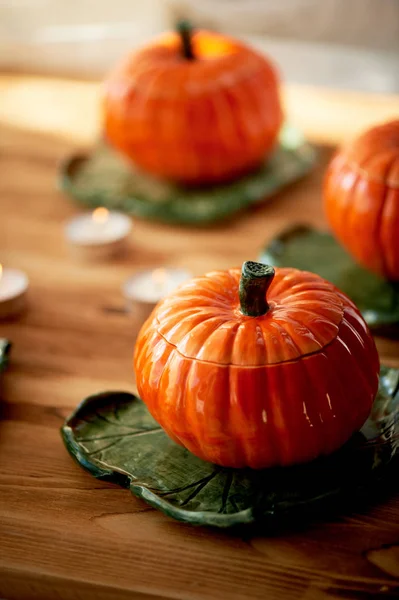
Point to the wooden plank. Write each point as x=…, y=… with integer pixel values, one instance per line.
x=65, y=535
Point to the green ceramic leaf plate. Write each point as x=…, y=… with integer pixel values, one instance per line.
x=5, y=348
x=113, y=436
x=104, y=179
x=317, y=251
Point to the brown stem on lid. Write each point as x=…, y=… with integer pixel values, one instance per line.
x=254, y=283
x=185, y=30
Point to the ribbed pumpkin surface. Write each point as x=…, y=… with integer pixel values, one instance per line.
x=194, y=121
x=361, y=195
x=243, y=391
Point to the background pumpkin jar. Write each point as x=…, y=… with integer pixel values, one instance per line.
x=193, y=107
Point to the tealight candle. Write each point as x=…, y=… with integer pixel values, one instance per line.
x=13, y=286
x=146, y=288
x=99, y=234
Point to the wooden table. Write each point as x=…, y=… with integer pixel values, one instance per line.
x=64, y=534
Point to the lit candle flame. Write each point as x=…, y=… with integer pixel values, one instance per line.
x=100, y=214
x=1, y=270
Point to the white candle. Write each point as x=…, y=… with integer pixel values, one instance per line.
x=13, y=286
x=146, y=288
x=99, y=234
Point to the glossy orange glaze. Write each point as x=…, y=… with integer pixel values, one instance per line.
x=240, y=391
x=361, y=197
x=196, y=121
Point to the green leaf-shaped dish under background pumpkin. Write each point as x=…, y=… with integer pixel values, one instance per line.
x=103, y=178
x=113, y=436
x=310, y=250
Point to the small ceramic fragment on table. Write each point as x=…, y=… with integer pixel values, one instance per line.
x=5, y=348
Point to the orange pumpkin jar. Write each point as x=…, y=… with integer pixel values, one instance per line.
x=361, y=197
x=196, y=108
x=259, y=368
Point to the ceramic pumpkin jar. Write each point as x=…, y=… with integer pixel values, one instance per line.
x=195, y=108
x=361, y=197
x=257, y=368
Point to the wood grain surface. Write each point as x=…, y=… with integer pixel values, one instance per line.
x=65, y=535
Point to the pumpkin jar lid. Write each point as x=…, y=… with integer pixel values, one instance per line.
x=375, y=154
x=251, y=318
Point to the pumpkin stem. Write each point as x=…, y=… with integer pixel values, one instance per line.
x=254, y=283
x=185, y=30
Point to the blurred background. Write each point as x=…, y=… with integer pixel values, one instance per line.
x=336, y=43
